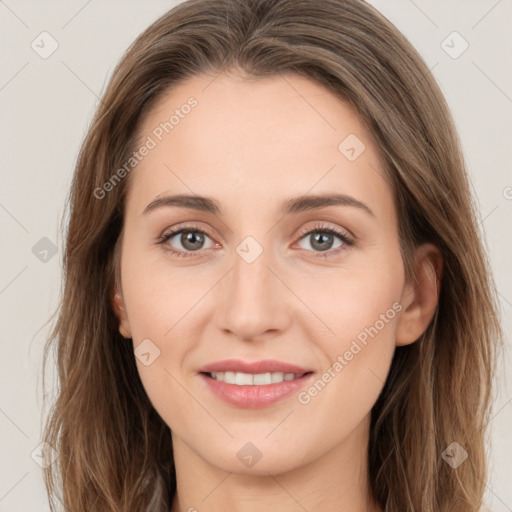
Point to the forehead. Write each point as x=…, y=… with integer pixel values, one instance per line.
x=283, y=135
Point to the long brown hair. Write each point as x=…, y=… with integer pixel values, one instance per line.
x=114, y=451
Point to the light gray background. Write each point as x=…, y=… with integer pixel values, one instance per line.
x=45, y=108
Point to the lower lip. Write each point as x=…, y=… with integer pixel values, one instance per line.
x=255, y=397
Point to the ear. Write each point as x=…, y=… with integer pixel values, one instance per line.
x=420, y=298
x=118, y=306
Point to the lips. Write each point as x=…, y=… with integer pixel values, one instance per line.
x=248, y=383
x=257, y=367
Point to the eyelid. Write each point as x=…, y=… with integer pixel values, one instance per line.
x=185, y=226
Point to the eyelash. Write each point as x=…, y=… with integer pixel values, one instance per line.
x=318, y=228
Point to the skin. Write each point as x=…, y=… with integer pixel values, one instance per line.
x=250, y=145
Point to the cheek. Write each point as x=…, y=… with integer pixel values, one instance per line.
x=158, y=294
x=350, y=301
x=359, y=309
x=162, y=303
x=161, y=334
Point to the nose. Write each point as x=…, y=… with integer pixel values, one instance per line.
x=251, y=301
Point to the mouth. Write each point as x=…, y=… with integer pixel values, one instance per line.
x=254, y=388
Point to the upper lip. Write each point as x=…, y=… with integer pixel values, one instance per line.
x=256, y=367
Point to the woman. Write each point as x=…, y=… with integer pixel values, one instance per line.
x=213, y=352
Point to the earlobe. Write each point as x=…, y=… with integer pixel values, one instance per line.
x=420, y=298
x=120, y=312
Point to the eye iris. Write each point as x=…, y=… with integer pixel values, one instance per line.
x=191, y=237
x=322, y=237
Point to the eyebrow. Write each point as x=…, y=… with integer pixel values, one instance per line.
x=292, y=205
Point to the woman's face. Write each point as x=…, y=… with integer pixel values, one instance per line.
x=264, y=273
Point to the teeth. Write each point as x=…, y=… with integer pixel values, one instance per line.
x=249, y=379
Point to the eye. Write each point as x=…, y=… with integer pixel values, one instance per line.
x=191, y=239
x=321, y=239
